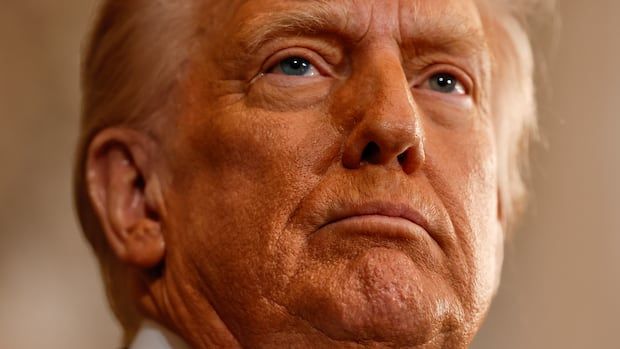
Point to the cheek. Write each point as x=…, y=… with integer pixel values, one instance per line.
x=462, y=168
x=245, y=172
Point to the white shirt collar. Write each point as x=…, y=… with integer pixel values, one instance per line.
x=154, y=336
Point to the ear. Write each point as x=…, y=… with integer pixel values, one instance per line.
x=501, y=215
x=500, y=238
x=126, y=195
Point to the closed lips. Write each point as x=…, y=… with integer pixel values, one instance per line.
x=378, y=218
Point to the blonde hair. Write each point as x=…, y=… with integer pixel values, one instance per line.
x=515, y=66
x=131, y=68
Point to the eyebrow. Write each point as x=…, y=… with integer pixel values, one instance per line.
x=448, y=35
x=330, y=17
x=314, y=18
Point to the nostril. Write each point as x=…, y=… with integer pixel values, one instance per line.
x=371, y=153
x=402, y=158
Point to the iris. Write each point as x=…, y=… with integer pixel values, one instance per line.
x=295, y=66
x=446, y=83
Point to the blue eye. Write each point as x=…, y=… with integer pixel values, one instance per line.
x=295, y=66
x=446, y=83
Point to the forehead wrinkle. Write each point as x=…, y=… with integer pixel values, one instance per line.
x=426, y=29
x=315, y=16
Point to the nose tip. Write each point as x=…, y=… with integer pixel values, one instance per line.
x=399, y=147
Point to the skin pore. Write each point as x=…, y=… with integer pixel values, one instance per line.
x=329, y=181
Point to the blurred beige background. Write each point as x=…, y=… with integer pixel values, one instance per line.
x=561, y=286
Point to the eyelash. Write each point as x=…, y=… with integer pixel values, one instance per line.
x=441, y=68
x=315, y=59
x=323, y=68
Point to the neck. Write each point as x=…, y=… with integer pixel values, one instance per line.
x=155, y=336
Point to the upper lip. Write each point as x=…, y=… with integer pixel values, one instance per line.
x=383, y=208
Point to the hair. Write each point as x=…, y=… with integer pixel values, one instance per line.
x=130, y=72
x=517, y=63
x=132, y=67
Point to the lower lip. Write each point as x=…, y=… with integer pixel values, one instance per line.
x=377, y=225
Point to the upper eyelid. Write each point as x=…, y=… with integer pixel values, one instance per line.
x=278, y=64
x=274, y=59
x=308, y=54
x=428, y=72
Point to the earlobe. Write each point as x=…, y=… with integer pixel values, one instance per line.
x=125, y=194
x=145, y=246
x=501, y=209
x=500, y=239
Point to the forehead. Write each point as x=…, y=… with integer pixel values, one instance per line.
x=355, y=10
x=251, y=22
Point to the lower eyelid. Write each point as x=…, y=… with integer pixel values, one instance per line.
x=464, y=90
x=279, y=81
x=427, y=97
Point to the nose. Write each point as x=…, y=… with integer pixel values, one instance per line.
x=388, y=132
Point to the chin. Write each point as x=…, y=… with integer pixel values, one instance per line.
x=381, y=296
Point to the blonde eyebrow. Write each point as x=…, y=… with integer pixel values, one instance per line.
x=449, y=39
x=315, y=17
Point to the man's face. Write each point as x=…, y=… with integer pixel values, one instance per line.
x=333, y=174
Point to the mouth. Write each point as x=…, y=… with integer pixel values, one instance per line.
x=381, y=219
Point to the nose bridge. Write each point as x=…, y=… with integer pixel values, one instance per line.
x=388, y=130
x=389, y=92
x=391, y=110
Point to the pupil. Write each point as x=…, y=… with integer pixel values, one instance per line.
x=295, y=66
x=443, y=82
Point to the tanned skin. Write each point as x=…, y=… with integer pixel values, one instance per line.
x=329, y=180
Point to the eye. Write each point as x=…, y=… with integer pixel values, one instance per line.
x=446, y=83
x=295, y=66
